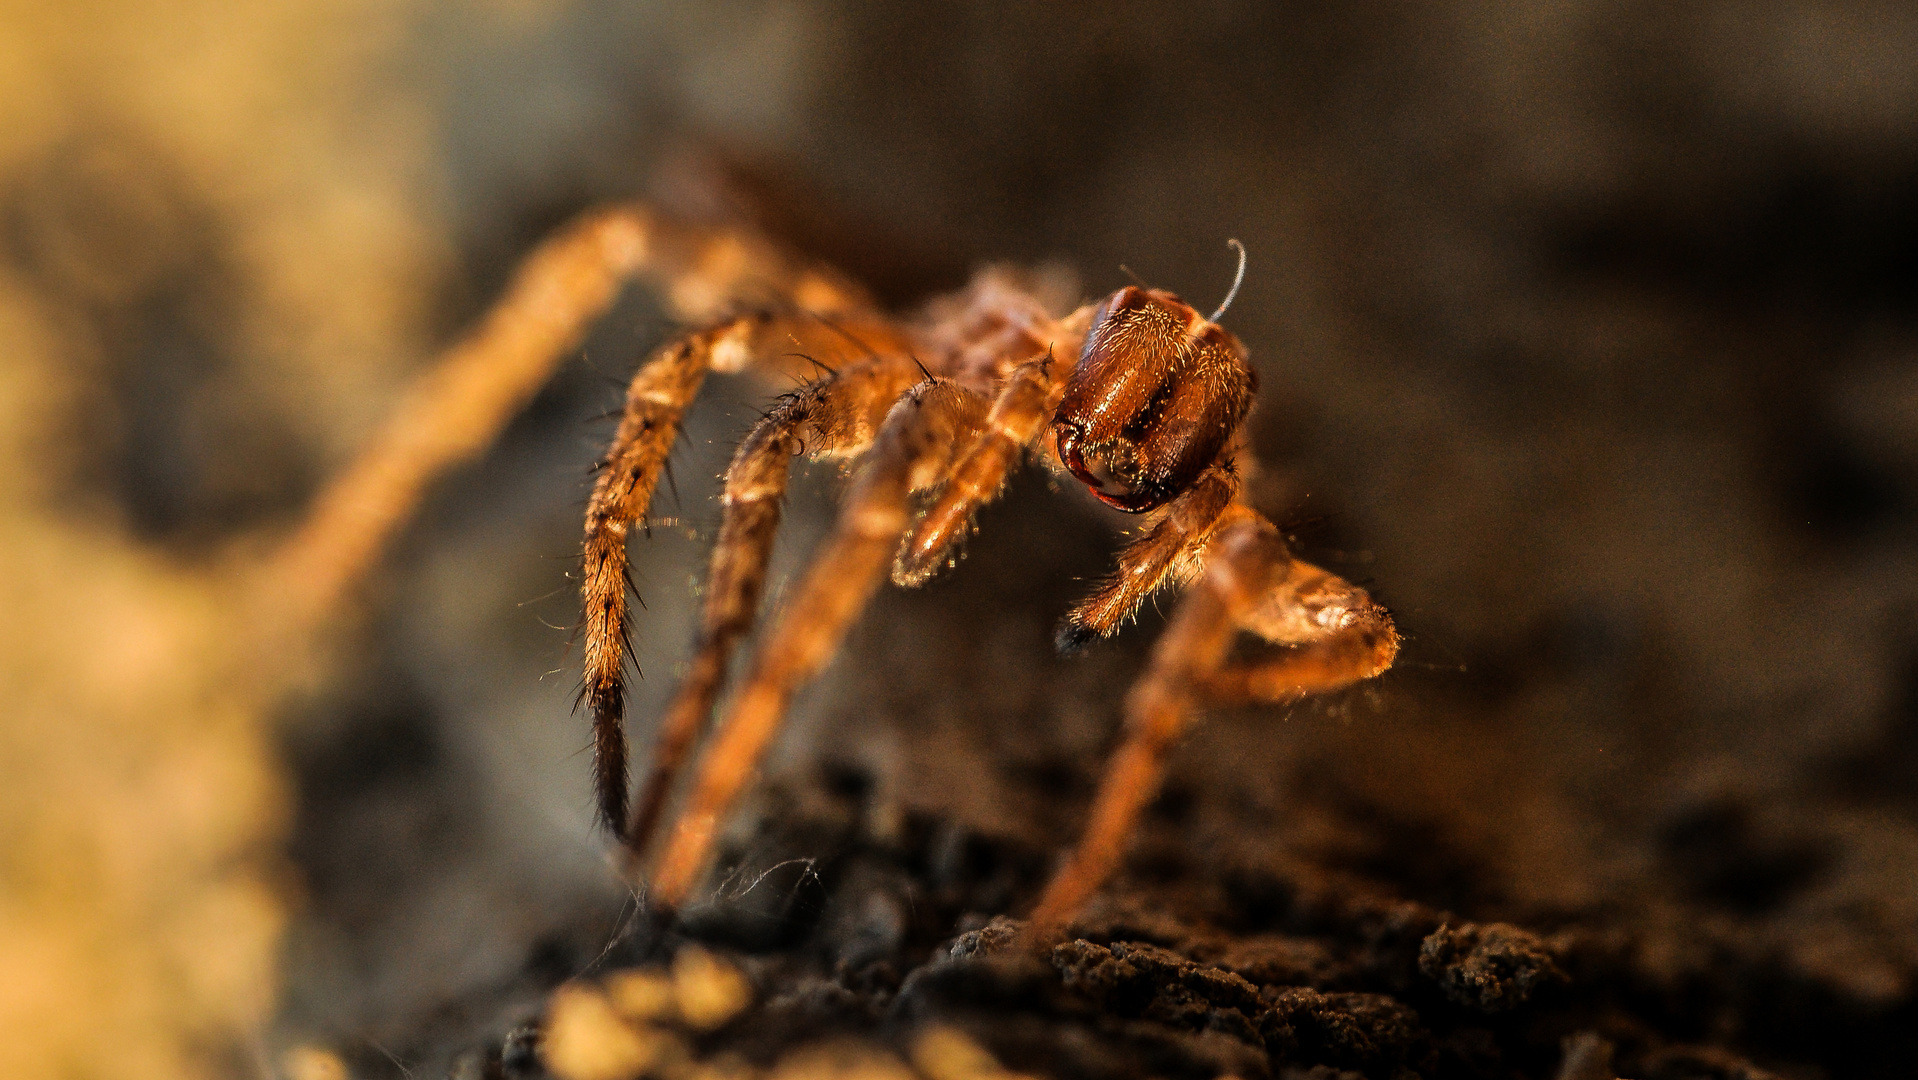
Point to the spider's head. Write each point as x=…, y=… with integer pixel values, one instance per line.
x=1157, y=392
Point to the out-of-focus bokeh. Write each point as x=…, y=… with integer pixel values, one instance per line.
x=1588, y=337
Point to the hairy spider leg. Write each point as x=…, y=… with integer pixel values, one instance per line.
x=456, y=409
x=1337, y=633
x=1170, y=553
x=458, y=406
x=1019, y=416
x=656, y=400
x=1251, y=582
x=1023, y=405
x=837, y=416
x=914, y=451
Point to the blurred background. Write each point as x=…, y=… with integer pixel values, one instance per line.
x=1588, y=339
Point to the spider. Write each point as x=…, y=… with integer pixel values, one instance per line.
x=1136, y=396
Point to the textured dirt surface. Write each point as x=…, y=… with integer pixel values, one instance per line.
x=1225, y=966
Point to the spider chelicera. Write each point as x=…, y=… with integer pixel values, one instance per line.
x=1136, y=395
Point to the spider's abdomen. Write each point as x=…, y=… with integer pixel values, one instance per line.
x=1157, y=392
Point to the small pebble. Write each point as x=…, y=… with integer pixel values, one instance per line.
x=841, y=1060
x=642, y=994
x=312, y=1063
x=585, y=1039
x=946, y=1053
x=710, y=990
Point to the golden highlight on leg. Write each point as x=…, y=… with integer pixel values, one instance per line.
x=1018, y=418
x=456, y=409
x=835, y=415
x=655, y=402
x=1169, y=554
x=1158, y=711
x=913, y=450
x=1251, y=583
x=1336, y=633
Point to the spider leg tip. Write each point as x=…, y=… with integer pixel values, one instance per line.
x=1072, y=636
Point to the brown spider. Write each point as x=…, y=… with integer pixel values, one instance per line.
x=1144, y=400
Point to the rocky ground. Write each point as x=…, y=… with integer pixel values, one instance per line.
x=856, y=956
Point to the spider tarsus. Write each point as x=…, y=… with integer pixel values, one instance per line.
x=609, y=755
x=1072, y=636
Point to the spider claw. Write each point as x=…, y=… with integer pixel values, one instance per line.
x=1072, y=636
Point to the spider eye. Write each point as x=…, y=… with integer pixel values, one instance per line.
x=1156, y=394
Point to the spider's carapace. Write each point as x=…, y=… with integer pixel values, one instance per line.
x=1158, y=390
